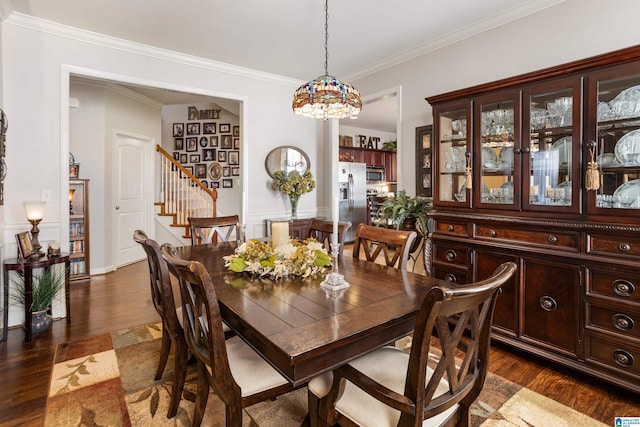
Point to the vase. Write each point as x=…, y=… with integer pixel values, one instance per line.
x=294, y=205
x=40, y=321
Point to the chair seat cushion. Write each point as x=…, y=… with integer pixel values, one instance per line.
x=388, y=366
x=252, y=373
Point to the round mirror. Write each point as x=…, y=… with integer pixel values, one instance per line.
x=286, y=158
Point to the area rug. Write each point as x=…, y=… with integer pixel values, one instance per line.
x=108, y=381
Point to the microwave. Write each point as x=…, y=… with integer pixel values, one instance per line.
x=375, y=174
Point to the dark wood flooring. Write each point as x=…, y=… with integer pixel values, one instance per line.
x=122, y=299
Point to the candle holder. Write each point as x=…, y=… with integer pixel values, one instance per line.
x=279, y=232
x=334, y=281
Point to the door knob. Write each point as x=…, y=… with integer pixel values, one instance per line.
x=117, y=207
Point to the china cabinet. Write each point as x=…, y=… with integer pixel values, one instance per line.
x=79, y=228
x=543, y=169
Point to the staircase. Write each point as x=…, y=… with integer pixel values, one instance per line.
x=183, y=195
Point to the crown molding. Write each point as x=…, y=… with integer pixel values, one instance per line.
x=89, y=37
x=506, y=17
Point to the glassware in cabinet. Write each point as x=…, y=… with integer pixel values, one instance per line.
x=614, y=142
x=551, y=151
x=452, y=131
x=496, y=145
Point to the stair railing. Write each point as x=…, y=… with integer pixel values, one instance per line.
x=182, y=194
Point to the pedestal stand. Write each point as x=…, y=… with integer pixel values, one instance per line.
x=334, y=281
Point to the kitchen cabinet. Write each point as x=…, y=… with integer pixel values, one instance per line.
x=543, y=170
x=79, y=242
x=371, y=157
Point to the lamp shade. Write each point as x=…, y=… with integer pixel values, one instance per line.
x=71, y=193
x=34, y=210
x=327, y=98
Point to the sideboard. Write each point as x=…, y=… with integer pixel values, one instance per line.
x=543, y=169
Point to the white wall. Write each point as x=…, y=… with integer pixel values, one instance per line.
x=572, y=30
x=36, y=90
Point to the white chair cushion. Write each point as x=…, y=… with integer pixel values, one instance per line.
x=388, y=366
x=252, y=373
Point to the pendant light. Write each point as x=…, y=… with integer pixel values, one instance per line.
x=327, y=97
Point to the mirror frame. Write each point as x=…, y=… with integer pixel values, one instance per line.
x=287, y=147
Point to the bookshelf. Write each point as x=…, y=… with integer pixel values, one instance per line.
x=79, y=229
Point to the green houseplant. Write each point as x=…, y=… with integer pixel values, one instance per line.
x=406, y=212
x=45, y=288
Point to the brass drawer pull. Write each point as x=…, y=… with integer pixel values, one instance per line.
x=552, y=239
x=450, y=277
x=492, y=233
x=622, y=322
x=624, y=247
x=450, y=255
x=623, y=358
x=624, y=288
x=548, y=304
x=450, y=228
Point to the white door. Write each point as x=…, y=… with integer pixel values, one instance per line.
x=132, y=194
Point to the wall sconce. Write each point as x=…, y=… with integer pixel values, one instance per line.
x=35, y=213
x=71, y=193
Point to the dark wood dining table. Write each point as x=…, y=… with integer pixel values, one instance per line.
x=303, y=330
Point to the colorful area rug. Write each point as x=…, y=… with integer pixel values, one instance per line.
x=108, y=381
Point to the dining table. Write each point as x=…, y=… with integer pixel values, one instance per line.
x=303, y=330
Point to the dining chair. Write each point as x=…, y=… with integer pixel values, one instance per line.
x=210, y=229
x=235, y=372
x=434, y=384
x=322, y=231
x=172, y=333
x=394, y=245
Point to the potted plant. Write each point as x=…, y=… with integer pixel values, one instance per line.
x=45, y=288
x=407, y=213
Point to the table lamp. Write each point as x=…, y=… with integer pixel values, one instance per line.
x=35, y=212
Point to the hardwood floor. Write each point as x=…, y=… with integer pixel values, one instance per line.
x=122, y=299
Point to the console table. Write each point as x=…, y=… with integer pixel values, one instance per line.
x=26, y=267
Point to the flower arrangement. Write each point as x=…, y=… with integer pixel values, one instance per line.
x=293, y=185
x=306, y=258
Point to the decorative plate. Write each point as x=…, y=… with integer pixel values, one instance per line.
x=627, y=103
x=606, y=159
x=629, y=194
x=627, y=150
x=489, y=158
x=506, y=157
x=215, y=171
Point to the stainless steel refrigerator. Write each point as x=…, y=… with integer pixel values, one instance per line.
x=352, y=178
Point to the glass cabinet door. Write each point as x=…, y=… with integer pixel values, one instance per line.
x=614, y=143
x=551, y=151
x=497, y=142
x=452, y=131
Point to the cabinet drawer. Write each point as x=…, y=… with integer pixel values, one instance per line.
x=451, y=255
x=621, y=356
x=614, y=245
x=625, y=287
x=453, y=276
x=452, y=227
x=546, y=238
x=622, y=321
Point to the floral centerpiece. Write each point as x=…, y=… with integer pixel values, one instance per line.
x=298, y=258
x=293, y=185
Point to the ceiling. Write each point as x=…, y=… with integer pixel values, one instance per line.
x=286, y=37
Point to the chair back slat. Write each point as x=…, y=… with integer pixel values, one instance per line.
x=393, y=245
x=459, y=320
x=202, y=321
x=211, y=229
